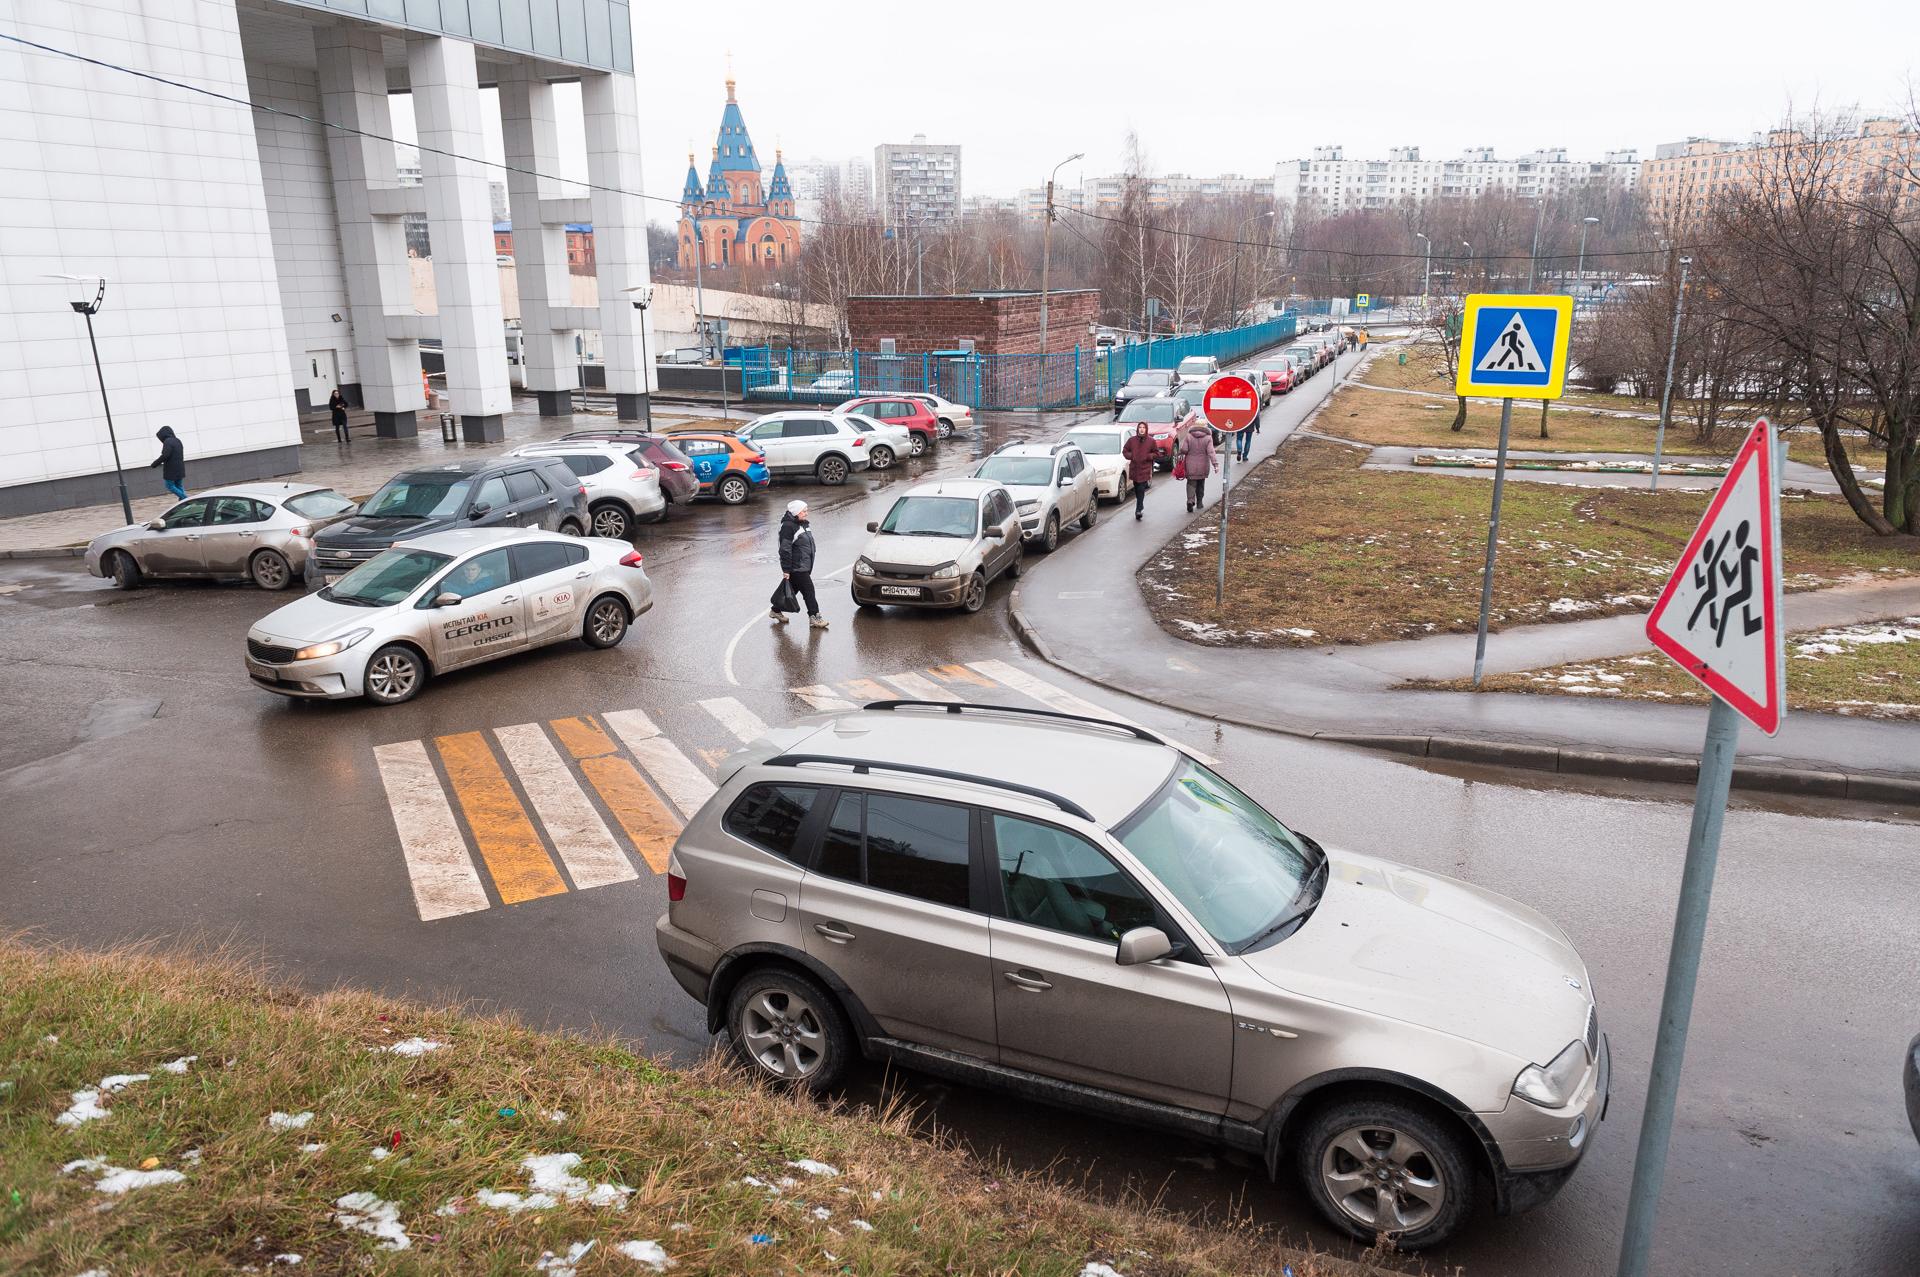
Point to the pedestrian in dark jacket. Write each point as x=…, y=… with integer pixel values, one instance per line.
x=1138, y=450
x=796, y=562
x=172, y=462
x=337, y=405
x=1195, y=450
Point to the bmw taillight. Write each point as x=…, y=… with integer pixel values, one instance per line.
x=631, y=559
x=676, y=887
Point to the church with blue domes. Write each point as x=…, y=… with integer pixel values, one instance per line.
x=729, y=217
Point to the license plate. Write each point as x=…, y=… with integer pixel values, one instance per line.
x=901, y=591
x=258, y=670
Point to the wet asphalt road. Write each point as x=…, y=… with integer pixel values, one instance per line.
x=150, y=792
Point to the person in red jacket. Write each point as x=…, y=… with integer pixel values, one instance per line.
x=1138, y=450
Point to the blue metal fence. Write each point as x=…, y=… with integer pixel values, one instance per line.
x=1063, y=379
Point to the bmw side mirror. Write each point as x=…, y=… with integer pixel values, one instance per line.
x=446, y=599
x=1143, y=944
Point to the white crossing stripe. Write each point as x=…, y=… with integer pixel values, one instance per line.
x=918, y=687
x=736, y=718
x=445, y=882
x=1057, y=698
x=822, y=698
x=578, y=834
x=684, y=784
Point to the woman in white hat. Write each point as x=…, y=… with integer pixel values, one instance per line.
x=796, y=562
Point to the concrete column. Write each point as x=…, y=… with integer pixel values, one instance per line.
x=532, y=138
x=446, y=104
x=619, y=235
x=353, y=94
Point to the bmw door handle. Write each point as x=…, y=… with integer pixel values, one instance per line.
x=834, y=931
x=1031, y=981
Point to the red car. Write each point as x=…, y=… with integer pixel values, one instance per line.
x=1166, y=416
x=902, y=411
x=1279, y=374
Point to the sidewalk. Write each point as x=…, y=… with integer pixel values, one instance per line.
x=1081, y=609
x=354, y=469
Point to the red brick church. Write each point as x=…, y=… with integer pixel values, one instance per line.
x=735, y=221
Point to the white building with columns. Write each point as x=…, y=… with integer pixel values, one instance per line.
x=248, y=221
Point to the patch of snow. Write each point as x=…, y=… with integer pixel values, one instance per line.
x=648, y=1254
x=555, y=1115
x=863, y=1225
x=85, y=1108
x=51, y=1037
x=118, y=1179
x=563, y=1265
x=1611, y=678
x=1300, y=633
x=367, y=1213
x=753, y=1181
x=1095, y=1269
x=413, y=1046
x=378, y=1153
x=1567, y=606
x=121, y=1081
x=179, y=1065
x=288, y=1258
x=92, y=1272
x=812, y=1167
x=821, y=1213
x=315, y=1147
x=191, y=1157
x=553, y=1173
x=288, y=1121
x=512, y=1203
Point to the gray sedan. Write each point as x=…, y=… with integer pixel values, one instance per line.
x=261, y=531
x=442, y=602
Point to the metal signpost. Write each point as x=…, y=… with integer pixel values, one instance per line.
x=1230, y=405
x=1512, y=346
x=1719, y=618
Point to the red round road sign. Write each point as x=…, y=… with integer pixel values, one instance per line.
x=1231, y=403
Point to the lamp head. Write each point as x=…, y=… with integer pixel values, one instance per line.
x=84, y=293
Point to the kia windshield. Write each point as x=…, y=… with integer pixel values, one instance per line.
x=385, y=579
x=419, y=496
x=1238, y=871
x=933, y=517
x=1026, y=472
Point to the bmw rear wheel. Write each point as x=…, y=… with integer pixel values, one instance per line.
x=788, y=1030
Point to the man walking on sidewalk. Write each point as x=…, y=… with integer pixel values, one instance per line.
x=172, y=462
x=796, y=563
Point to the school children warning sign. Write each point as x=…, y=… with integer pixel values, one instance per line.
x=1719, y=615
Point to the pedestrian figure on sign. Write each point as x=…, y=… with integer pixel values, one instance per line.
x=172, y=462
x=1510, y=339
x=796, y=563
x=1707, y=581
x=1138, y=450
x=337, y=405
x=1195, y=455
x=1741, y=570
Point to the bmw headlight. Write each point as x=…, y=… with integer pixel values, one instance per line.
x=946, y=571
x=1553, y=1084
x=332, y=647
x=863, y=568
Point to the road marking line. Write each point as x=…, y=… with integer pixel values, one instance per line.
x=919, y=688
x=822, y=699
x=580, y=837
x=865, y=689
x=445, y=882
x=684, y=783
x=647, y=822
x=508, y=843
x=583, y=737
x=736, y=718
x=959, y=674
x=1059, y=698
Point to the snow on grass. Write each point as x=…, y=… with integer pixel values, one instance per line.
x=370, y=1214
x=551, y=1177
x=118, y=1179
x=563, y=1265
x=86, y=1106
x=315, y=1147
x=1847, y=638
x=812, y=1167
x=179, y=1065
x=1566, y=606
x=1097, y=1269
x=278, y=1121
x=647, y=1254
x=413, y=1046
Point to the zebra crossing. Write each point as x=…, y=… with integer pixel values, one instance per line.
x=521, y=812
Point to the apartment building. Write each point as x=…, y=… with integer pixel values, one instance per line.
x=848, y=182
x=1327, y=182
x=1683, y=179
x=1106, y=194
x=916, y=182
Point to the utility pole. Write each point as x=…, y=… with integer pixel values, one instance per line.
x=1046, y=259
x=1533, y=258
x=1426, y=271
x=1586, y=223
x=1666, y=391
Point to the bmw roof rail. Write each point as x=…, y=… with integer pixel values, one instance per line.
x=864, y=766
x=960, y=707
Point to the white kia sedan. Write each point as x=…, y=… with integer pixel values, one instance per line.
x=445, y=601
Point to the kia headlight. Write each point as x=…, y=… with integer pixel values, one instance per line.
x=863, y=568
x=946, y=571
x=1553, y=1084
x=332, y=647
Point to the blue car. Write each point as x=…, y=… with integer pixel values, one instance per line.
x=727, y=468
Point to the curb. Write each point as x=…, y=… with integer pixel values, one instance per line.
x=46, y=552
x=1665, y=768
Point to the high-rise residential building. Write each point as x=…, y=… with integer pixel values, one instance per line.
x=1682, y=180
x=1106, y=194
x=846, y=183
x=1327, y=182
x=916, y=182
x=730, y=217
x=251, y=237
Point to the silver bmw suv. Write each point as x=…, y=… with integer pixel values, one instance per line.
x=1081, y=912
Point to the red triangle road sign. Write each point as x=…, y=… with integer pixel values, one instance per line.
x=1719, y=616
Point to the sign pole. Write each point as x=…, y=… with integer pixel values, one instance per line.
x=1493, y=540
x=1683, y=968
x=1226, y=480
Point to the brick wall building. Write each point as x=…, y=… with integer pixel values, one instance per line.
x=996, y=323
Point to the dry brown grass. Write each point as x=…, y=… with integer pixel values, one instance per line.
x=1325, y=552
x=461, y=1119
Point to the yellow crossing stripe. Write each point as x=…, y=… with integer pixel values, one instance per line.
x=512, y=850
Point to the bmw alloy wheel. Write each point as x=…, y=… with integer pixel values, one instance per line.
x=782, y=1033
x=1383, y=1179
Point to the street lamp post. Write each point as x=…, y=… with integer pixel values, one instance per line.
x=1426, y=271
x=1533, y=257
x=1666, y=391
x=1469, y=247
x=1586, y=223
x=643, y=297
x=90, y=309
x=1046, y=263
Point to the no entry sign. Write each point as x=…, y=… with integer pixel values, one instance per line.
x=1231, y=403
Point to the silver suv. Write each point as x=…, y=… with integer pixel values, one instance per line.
x=1051, y=483
x=1080, y=912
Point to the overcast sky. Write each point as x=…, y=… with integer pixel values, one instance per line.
x=1022, y=85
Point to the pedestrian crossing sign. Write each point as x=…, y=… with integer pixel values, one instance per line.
x=1514, y=346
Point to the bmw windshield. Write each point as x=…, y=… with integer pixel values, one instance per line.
x=1238, y=871
x=385, y=579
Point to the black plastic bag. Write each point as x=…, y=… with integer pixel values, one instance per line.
x=784, y=599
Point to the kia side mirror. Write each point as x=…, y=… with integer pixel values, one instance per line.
x=1142, y=944
x=446, y=599
x=157, y=525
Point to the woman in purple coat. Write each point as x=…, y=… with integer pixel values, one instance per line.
x=1196, y=452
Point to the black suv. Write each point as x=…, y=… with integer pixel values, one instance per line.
x=1145, y=383
x=506, y=492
